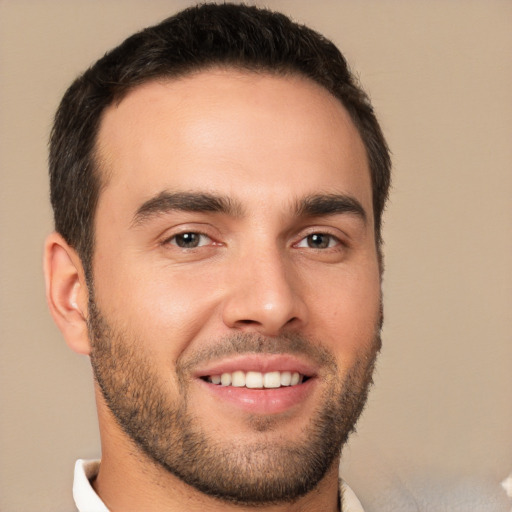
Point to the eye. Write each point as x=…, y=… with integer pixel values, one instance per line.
x=319, y=241
x=190, y=240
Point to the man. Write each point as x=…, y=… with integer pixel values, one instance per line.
x=218, y=182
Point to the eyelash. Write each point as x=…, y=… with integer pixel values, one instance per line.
x=332, y=242
x=174, y=239
x=311, y=237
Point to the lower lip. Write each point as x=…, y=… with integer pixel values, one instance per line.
x=262, y=401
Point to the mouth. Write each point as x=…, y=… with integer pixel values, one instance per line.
x=257, y=380
x=261, y=384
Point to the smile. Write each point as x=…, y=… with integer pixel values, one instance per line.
x=257, y=380
x=259, y=383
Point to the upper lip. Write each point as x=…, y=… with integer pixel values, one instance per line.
x=263, y=363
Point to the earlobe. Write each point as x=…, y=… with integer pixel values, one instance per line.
x=66, y=292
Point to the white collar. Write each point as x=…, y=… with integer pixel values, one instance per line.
x=87, y=500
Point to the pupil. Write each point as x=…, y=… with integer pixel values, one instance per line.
x=187, y=240
x=318, y=241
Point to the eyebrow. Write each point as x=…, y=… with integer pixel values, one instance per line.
x=310, y=206
x=329, y=204
x=186, y=202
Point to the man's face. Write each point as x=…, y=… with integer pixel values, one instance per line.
x=235, y=242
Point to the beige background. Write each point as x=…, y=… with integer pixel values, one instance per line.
x=437, y=434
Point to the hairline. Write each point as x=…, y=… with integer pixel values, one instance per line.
x=102, y=172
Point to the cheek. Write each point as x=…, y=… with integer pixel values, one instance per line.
x=348, y=313
x=166, y=309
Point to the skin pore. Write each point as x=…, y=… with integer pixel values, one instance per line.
x=234, y=233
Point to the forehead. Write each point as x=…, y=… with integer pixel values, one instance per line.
x=235, y=132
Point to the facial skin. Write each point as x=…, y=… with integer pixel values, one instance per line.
x=234, y=232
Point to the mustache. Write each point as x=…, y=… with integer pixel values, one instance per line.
x=253, y=343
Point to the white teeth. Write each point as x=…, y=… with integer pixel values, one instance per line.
x=238, y=379
x=254, y=380
x=257, y=380
x=286, y=378
x=225, y=379
x=272, y=380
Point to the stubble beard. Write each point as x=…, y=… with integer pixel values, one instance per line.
x=250, y=473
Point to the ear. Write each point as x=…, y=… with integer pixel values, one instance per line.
x=66, y=292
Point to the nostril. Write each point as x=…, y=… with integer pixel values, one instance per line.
x=257, y=324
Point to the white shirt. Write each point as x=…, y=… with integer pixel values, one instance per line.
x=87, y=500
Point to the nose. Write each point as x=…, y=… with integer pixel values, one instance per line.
x=264, y=295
